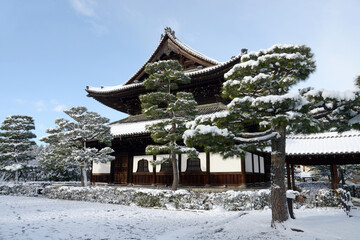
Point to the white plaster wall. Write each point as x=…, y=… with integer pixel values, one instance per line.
x=101, y=167
x=248, y=162
x=184, y=162
x=138, y=158
x=256, y=163
x=262, y=165
x=219, y=164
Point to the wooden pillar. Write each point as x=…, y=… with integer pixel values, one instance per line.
x=243, y=174
x=208, y=177
x=154, y=172
x=253, y=164
x=130, y=168
x=91, y=178
x=292, y=177
x=288, y=175
x=180, y=177
x=334, y=176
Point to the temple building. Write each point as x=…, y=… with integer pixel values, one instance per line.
x=133, y=166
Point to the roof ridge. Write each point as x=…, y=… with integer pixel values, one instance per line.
x=171, y=34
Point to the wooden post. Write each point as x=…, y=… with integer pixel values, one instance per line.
x=130, y=168
x=208, y=177
x=243, y=174
x=180, y=178
x=288, y=175
x=334, y=176
x=154, y=172
x=292, y=177
x=253, y=164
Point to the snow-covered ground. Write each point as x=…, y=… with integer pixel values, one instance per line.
x=41, y=218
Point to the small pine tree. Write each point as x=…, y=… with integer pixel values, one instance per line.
x=16, y=145
x=69, y=140
x=174, y=110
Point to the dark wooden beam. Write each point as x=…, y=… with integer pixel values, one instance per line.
x=154, y=172
x=179, y=163
x=208, y=177
x=334, y=176
x=243, y=173
x=324, y=159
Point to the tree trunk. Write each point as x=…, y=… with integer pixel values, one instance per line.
x=84, y=174
x=84, y=182
x=278, y=191
x=173, y=157
x=175, y=171
x=17, y=176
x=81, y=176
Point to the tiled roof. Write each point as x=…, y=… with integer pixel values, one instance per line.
x=168, y=34
x=323, y=143
x=136, y=85
x=135, y=125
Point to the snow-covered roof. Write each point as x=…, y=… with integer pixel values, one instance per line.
x=323, y=143
x=169, y=34
x=135, y=85
x=130, y=128
x=135, y=125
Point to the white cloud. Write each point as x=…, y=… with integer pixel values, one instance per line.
x=88, y=8
x=84, y=7
x=59, y=108
x=40, y=106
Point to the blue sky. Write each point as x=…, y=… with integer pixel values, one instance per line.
x=51, y=50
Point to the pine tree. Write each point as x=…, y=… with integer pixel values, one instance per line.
x=16, y=145
x=68, y=141
x=174, y=110
x=261, y=109
x=337, y=110
x=53, y=167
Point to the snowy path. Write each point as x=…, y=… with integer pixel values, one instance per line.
x=40, y=218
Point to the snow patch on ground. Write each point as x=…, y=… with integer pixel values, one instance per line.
x=40, y=218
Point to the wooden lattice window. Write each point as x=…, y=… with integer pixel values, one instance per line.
x=143, y=166
x=193, y=165
x=166, y=166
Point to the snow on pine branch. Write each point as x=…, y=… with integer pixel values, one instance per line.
x=348, y=95
x=204, y=130
x=296, y=100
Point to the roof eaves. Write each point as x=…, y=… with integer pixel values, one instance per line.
x=136, y=85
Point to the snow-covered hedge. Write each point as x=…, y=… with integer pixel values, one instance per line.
x=181, y=199
x=21, y=189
